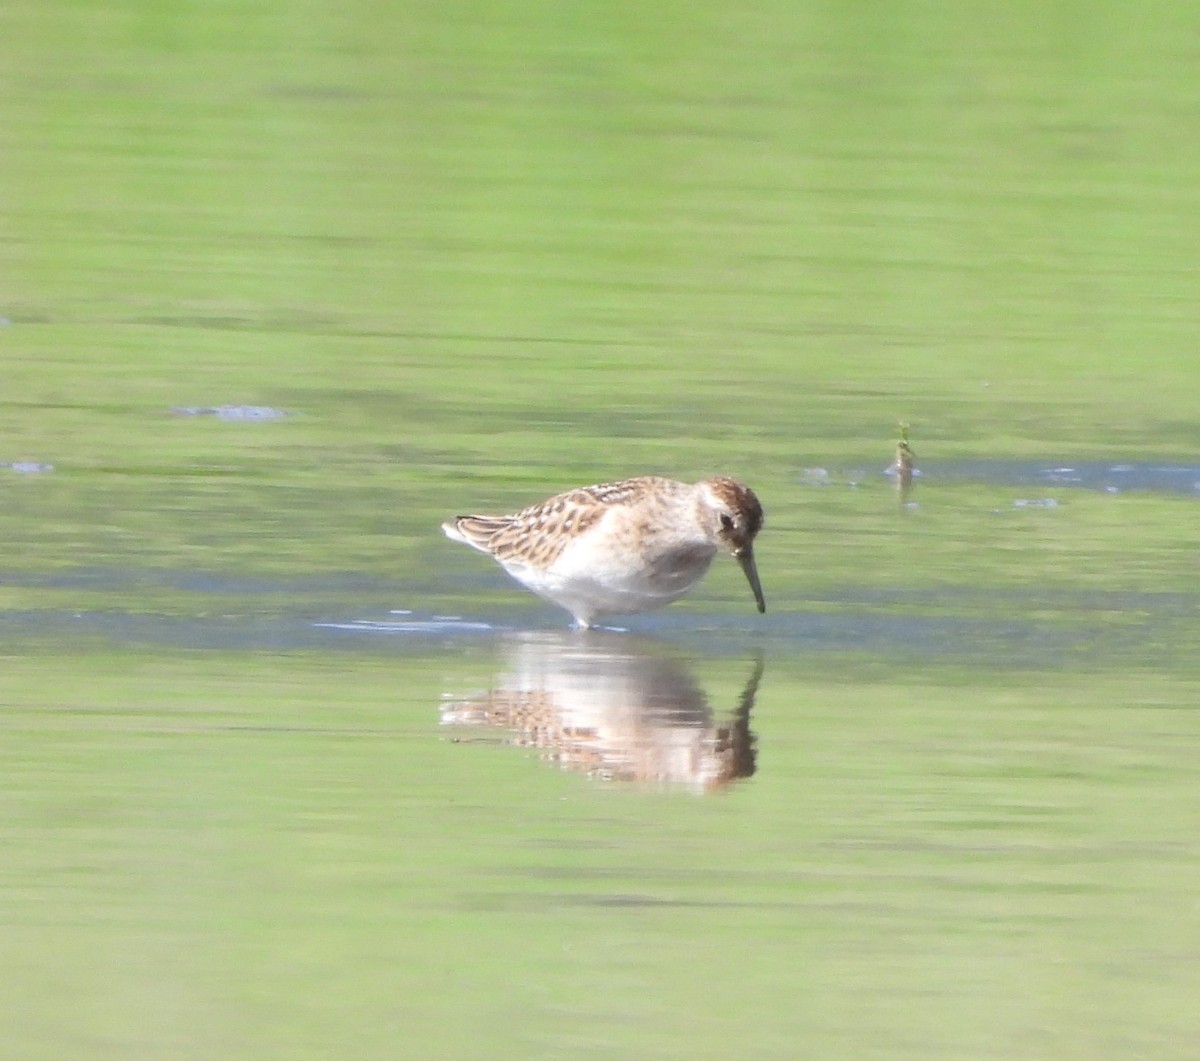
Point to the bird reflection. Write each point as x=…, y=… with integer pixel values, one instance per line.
x=614, y=709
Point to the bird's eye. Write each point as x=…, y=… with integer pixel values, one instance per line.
x=726, y=521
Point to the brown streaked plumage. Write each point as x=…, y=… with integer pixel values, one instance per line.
x=616, y=548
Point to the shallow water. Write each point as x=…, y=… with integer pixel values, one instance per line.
x=950, y=626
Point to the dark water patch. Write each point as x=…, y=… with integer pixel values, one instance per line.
x=1026, y=627
x=1038, y=476
x=270, y=633
x=122, y=580
x=1014, y=643
x=1104, y=476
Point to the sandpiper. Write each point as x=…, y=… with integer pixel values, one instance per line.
x=618, y=548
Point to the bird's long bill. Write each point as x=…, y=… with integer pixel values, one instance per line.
x=745, y=557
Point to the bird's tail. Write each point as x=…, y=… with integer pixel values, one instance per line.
x=475, y=531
